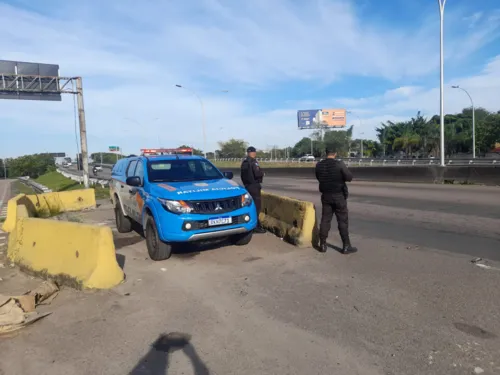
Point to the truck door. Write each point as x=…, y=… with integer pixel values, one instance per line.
x=137, y=193
x=127, y=192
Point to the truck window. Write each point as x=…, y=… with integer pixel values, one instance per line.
x=131, y=168
x=139, y=171
x=182, y=170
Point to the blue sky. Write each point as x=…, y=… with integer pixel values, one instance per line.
x=378, y=59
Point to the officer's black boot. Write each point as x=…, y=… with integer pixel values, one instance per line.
x=322, y=246
x=347, y=248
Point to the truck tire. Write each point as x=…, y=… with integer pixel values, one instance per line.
x=157, y=249
x=123, y=223
x=242, y=239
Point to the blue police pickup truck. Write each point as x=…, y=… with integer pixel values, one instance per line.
x=178, y=197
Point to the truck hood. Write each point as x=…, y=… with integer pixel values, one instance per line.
x=197, y=190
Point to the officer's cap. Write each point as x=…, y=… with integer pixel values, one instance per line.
x=251, y=149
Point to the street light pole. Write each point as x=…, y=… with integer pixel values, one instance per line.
x=441, y=63
x=473, y=121
x=202, y=118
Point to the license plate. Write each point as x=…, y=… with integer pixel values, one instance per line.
x=219, y=221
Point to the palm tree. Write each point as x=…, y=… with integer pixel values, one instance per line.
x=408, y=139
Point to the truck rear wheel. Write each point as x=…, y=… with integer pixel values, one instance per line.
x=157, y=249
x=123, y=223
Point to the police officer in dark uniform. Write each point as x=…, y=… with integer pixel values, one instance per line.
x=251, y=176
x=332, y=175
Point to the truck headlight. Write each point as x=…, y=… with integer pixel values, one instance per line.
x=246, y=200
x=176, y=207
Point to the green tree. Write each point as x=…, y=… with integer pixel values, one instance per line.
x=233, y=148
x=302, y=147
x=337, y=140
x=30, y=165
x=488, y=132
x=195, y=150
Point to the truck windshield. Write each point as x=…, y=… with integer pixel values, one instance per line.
x=177, y=170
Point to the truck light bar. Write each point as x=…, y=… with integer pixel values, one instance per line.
x=166, y=151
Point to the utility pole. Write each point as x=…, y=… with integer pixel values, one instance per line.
x=83, y=132
x=4, y=169
x=441, y=87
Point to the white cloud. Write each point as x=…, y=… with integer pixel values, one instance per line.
x=483, y=88
x=131, y=55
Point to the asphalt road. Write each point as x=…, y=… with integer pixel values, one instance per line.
x=458, y=219
x=270, y=308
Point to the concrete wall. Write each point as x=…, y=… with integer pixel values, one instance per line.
x=481, y=175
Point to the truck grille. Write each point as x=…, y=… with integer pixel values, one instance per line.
x=217, y=206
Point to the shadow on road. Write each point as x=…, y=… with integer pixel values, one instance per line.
x=122, y=241
x=155, y=362
x=337, y=248
x=120, y=259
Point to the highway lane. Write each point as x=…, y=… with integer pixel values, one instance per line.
x=457, y=219
x=463, y=219
x=271, y=308
x=402, y=305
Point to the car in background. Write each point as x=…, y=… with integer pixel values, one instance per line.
x=307, y=158
x=178, y=198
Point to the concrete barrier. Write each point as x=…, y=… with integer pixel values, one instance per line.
x=291, y=219
x=10, y=221
x=48, y=204
x=474, y=174
x=75, y=254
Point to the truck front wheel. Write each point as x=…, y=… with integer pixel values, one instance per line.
x=157, y=249
x=242, y=239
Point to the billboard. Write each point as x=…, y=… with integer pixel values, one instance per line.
x=114, y=149
x=321, y=118
x=29, y=81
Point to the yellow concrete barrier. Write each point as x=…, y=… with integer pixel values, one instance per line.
x=48, y=204
x=291, y=219
x=80, y=255
x=10, y=221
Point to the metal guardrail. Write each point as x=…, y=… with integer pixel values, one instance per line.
x=381, y=162
x=368, y=161
x=73, y=175
x=37, y=188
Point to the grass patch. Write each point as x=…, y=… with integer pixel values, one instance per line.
x=101, y=193
x=57, y=182
x=19, y=188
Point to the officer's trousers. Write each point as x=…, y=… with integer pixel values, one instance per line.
x=334, y=204
x=255, y=192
